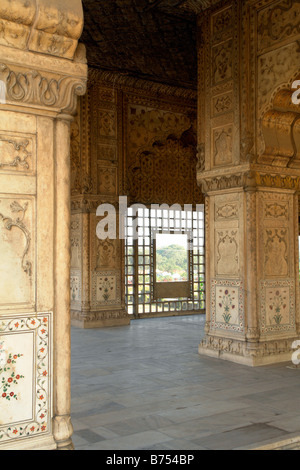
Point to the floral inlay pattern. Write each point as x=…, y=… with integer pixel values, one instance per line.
x=227, y=303
x=38, y=327
x=8, y=375
x=278, y=306
x=106, y=288
x=227, y=300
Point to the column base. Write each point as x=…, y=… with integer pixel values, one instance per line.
x=31, y=443
x=67, y=445
x=253, y=354
x=99, y=319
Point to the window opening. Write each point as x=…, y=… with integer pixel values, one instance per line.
x=165, y=267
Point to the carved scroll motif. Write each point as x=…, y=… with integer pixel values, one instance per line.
x=9, y=223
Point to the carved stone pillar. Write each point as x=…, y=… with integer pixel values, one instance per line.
x=97, y=266
x=248, y=152
x=41, y=72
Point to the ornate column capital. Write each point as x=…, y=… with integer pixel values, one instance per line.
x=29, y=87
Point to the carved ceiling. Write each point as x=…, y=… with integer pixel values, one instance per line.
x=151, y=39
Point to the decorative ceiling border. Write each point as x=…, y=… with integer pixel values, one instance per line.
x=128, y=83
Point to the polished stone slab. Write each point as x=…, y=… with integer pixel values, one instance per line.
x=145, y=387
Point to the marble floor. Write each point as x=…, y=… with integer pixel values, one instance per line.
x=145, y=387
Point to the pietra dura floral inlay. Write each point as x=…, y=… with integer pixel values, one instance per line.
x=26, y=385
x=106, y=287
x=227, y=300
x=9, y=376
x=277, y=306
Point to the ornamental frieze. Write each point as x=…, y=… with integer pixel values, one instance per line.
x=247, y=180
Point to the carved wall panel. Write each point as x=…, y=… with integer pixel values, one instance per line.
x=107, y=152
x=278, y=54
x=26, y=277
x=81, y=180
x=277, y=286
x=107, y=123
x=276, y=248
x=276, y=68
x=17, y=247
x=227, y=252
x=222, y=145
x=222, y=62
x=225, y=262
x=107, y=180
x=277, y=23
x=240, y=67
x=108, y=253
x=75, y=286
x=219, y=67
x=227, y=241
x=76, y=241
x=276, y=228
x=18, y=153
x=222, y=104
x=76, y=260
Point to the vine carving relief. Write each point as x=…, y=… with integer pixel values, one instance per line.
x=9, y=223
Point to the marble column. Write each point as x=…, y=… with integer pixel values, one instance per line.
x=249, y=172
x=41, y=74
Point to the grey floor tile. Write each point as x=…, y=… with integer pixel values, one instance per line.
x=241, y=437
x=145, y=387
x=138, y=441
x=89, y=436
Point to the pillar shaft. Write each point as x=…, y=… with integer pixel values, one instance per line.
x=248, y=170
x=62, y=379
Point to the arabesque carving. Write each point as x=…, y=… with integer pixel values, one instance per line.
x=278, y=22
x=21, y=153
x=9, y=223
